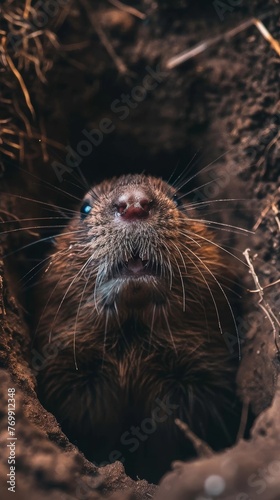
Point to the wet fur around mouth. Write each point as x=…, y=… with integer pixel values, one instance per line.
x=134, y=312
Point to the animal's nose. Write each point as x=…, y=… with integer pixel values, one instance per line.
x=133, y=204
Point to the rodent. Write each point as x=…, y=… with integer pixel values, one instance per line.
x=131, y=308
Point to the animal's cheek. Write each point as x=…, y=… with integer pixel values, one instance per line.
x=167, y=221
x=98, y=227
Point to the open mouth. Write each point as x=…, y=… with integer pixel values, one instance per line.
x=135, y=283
x=136, y=267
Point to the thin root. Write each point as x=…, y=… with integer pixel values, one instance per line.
x=202, y=448
x=266, y=308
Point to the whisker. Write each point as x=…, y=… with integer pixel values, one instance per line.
x=228, y=303
x=169, y=329
x=68, y=289
x=33, y=268
x=31, y=228
x=197, y=188
x=76, y=320
x=44, y=203
x=98, y=282
x=48, y=301
x=26, y=220
x=180, y=274
x=207, y=285
x=172, y=173
x=204, y=169
x=49, y=184
x=193, y=205
x=119, y=324
x=105, y=334
x=225, y=225
x=171, y=273
x=152, y=327
x=196, y=235
x=184, y=172
x=48, y=238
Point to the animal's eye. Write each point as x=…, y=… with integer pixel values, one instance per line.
x=177, y=200
x=85, y=209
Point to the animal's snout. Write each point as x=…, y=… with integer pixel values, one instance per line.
x=134, y=203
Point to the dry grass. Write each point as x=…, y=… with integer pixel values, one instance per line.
x=26, y=54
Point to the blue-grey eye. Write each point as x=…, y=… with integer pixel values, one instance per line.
x=85, y=209
x=177, y=200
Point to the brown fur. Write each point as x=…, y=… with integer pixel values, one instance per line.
x=114, y=348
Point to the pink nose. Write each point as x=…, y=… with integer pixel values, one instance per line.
x=133, y=205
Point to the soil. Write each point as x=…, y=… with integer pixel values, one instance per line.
x=222, y=106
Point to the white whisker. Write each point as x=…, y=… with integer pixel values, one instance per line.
x=68, y=288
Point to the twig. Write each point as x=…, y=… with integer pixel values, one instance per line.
x=36, y=62
x=202, y=448
x=52, y=37
x=271, y=206
x=265, y=286
x=206, y=44
x=128, y=8
x=261, y=217
x=60, y=18
x=243, y=421
x=23, y=117
x=262, y=303
x=2, y=301
x=8, y=153
x=12, y=144
x=22, y=84
x=26, y=9
x=265, y=33
x=272, y=142
x=276, y=213
x=75, y=46
x=104, y=39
